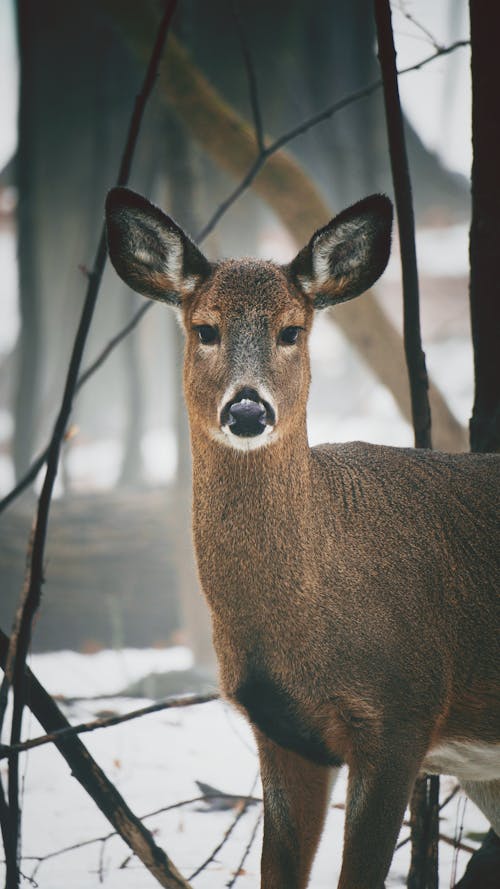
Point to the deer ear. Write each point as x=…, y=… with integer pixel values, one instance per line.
x=149, y=251
x=346, y=257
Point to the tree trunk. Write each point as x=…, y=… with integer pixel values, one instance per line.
x=484, y=277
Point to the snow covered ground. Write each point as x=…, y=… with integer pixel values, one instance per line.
x=154, y=762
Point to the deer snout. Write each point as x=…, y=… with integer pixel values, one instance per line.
x=247, y=414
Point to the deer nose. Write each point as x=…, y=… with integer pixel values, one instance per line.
x=246, y=414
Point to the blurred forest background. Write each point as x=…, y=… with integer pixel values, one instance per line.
x=119, y=569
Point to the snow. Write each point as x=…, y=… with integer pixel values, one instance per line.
x=154, y=762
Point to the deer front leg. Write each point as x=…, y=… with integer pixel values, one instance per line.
x=378, y=793
x=296, y=796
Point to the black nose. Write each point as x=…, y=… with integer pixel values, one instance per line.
x=246, y=414
x=247, y=417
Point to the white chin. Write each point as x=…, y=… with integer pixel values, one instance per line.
x=243, y=443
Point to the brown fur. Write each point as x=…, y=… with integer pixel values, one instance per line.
x=353, y=588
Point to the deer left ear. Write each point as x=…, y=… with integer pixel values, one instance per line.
x=346, y=257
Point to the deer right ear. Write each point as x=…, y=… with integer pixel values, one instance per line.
x=346, y=257
x=149, y=250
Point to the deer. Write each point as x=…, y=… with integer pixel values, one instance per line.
x=352, y=587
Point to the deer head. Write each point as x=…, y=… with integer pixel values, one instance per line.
x=246, y=370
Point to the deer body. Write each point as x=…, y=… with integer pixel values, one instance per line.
x=352, y=588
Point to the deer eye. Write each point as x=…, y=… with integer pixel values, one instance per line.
x=289, y=335
x=207, y=334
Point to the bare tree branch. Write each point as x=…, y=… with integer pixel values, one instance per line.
x=97, y=785
x=230, y=883
x=410, y=18
x=228, y=832
x=251, y=77
x=106, y=721
x=30, y=600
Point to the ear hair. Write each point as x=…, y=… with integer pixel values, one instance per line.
x=149, y=250
x=346, y=257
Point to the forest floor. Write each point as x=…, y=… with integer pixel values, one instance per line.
x=155, y=762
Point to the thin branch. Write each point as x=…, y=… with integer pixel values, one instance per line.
x=244, y=857
x=251, y=77
x=107, y=836
x=106, y=721
x=111, y=345
x=39, y=461
x=356, y=96
x=40, y=859
x=228, y=832
x=444, y=838
x=30, y=601
x=91, y=777
x=240, y=189
x=410, y=18
x=244, y=184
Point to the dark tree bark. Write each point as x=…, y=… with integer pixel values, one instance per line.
x=484, y=250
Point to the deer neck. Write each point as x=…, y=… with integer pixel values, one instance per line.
x=251, y=525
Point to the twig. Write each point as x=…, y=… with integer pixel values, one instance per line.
x=94, y=781
x=244, y=184
x=244, y=857
x=227, y=834
x=21, y=634
x=449, y=798
x=108, y=836
x=252, y=80
x=101, y=862
x=410, y=18
x=457, y=844
x=106, y=721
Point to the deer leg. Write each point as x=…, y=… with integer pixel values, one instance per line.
x=296, y=796
x=378, y=794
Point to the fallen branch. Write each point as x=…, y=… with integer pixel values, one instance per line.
x=94, y=781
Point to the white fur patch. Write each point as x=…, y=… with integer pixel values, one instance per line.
x=305, y=283
x=468, y=760
x=321, y=257
x=323, y=246
x=232, y=390
x=173, y=257
x=242, y=443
